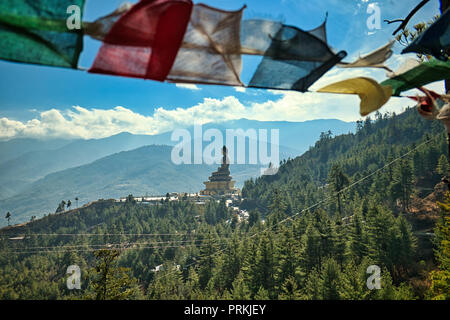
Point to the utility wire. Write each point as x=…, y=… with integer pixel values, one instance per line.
x=101, y=234
x=106, y=248
x=119, y=244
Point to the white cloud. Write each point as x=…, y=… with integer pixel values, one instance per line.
x=240, y=89
x=187, y=86
x=86, y=123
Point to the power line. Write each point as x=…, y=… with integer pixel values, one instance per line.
x=120, y=244
x=105, y=248
x=101, y=234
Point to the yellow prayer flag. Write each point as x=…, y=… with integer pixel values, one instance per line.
x=373, y=95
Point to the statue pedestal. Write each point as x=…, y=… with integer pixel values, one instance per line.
x=220, y=182
x=218, y=188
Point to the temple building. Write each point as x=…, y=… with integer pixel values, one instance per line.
x=221, y=183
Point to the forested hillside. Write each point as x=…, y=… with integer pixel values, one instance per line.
x=312, y=232
x=415, y=145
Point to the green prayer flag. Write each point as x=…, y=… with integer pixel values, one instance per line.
x=35, y=31
x=425, y=73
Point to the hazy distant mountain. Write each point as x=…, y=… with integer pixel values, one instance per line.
x=28, y=167
x=146, y=170
x=14, y=148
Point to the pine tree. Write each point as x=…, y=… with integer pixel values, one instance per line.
x=354, y=279
x=265, y=264
x=192, y=287
x=312, y=252
x=339, y=235
x=262, y=294
x=168, y=284
x=382, y=237
x=232, y=262
x=110, y=282
x=207, y=261
x=313, y=286
x=8, y=216
x=402, y=183
x=290, y=290
x=407, y=242
x=240, y=290
x=331, y=278
x=253, y=217
x=440, y=278
x=249, y=270
x=61, y=207
x=358, y=238
x=278, y=208
x=222, y=212
x=338, y=180
x=443, y=166
x=288, y=258
x=389, y=291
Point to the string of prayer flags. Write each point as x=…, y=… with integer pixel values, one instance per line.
x=211, y=50
x=374, y=59
x=35, y=31
x=168, y=40
x=145, y=40
x=435, y=40
x=373, y=95
x=425, y=73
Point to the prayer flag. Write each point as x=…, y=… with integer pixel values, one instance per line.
x=211, y=48
x=144, y=42
x=435, y=40
x=374, y=59
x=373, y=95
x=35, y=31
x=425, y=73
x=257, y=35
x=102, y=26
x=409, y=64
x=426, y=101
x=294, y=60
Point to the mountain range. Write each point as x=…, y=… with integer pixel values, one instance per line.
x=36, y=175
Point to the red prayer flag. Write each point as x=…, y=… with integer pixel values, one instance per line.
x=144, y=42
x=425, y=101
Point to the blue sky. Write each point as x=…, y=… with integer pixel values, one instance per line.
x=52, y=102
